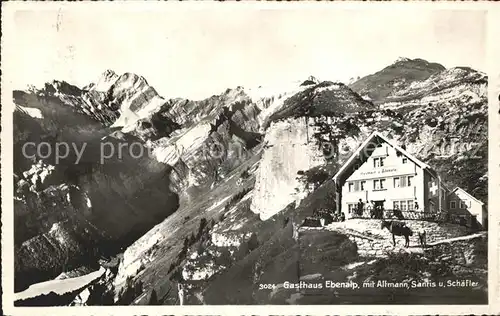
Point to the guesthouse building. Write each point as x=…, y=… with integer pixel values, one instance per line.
x=384, y=176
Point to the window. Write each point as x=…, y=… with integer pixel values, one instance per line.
x=356, y=186
x=411, y=205
x=396, y=183
x=379, y=184
x=378, y=162
x=401, y=182
x=462, y=204
x=351, y=207
x=453, y=204
x=405, y=160
x=403, y=205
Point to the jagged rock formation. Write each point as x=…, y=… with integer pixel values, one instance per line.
x=70, y=206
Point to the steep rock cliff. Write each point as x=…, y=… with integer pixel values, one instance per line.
x=288, y=149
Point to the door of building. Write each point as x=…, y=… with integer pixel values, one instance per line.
x=378, y=209
x=432, y=207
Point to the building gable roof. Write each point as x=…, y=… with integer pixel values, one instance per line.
x=467, y=193
x=370, y=138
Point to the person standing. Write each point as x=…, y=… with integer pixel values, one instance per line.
x=180, y=291
x=295, y=230
x=360, y=207
x=342, y=217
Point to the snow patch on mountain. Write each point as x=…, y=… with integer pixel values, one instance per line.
x=332, y=87
x=33, y=112
x=59, y=286
x=180, y=145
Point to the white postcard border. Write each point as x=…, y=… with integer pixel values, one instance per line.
x=493, y=47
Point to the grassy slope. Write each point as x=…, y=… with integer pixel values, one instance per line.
x=183, y=223
x=278, y=257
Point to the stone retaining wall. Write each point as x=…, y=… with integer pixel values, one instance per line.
x=372, y=241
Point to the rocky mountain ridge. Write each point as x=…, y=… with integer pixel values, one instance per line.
x=398, y=75
x=234, y=159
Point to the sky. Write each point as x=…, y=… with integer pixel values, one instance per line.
x=198, y=53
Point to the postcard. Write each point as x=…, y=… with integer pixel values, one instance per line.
x=250, y=158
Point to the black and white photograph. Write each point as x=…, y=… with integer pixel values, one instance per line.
x=277, y=156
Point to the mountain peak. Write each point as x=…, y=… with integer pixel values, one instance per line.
x=105, y=81
x=310, y=81
x=58, y=86
x=108, y=73
x=401, y=73
x=402, y=59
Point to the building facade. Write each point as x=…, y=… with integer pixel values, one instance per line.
x=471, y=209
x=383, y=175
x=385, y=179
